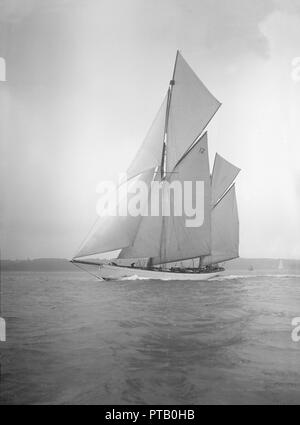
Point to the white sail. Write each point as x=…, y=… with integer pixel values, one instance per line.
x=150, y=152
x=113, y=232
x=280, y=265
x=147, y=241
x=223, y=175
x=225, y=230
x=173, y=144
x=145, y=247
x=192, y=107
x=168, y=238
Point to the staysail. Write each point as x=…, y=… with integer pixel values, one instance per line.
x=225, y=230
x=223, y=176
x=147, y=240
x=112, y=232
x=179, y=241
x=150, y=152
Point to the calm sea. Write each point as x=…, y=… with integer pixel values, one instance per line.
x=74, y=339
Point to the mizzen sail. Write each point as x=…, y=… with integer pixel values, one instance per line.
x=223, y=176
x=225, y=230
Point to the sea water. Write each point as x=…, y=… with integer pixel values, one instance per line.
x=71, y=338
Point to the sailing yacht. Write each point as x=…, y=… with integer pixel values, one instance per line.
x=280, y=265
x=175, y=149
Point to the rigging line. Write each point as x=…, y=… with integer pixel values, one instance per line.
x=98, y=218
x=213, y=169
x=86, y=238
x=176, y=236
x=87, y=271
x=174, y=146
x=197, y=138
x=224, y=194
x=164, y=159
x=142, y=146
x=146, y=206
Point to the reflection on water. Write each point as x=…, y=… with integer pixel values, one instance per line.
x=73, y=339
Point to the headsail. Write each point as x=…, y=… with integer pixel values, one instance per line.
x=191, y=108
x=149, y=154
x=179, y=241
x=225, y=230
x=113, y=232
x=223, y=175
x=147, y=240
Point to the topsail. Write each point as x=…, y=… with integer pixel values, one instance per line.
x=191, y=108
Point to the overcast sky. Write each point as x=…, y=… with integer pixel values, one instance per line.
x=85, y=79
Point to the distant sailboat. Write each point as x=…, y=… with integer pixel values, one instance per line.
x=175, y=148
x=280, y=265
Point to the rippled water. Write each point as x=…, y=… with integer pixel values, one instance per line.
x=73, y=339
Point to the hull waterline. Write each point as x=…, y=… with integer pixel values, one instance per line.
x=110, y=272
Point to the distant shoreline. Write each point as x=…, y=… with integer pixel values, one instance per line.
x=39, y=264
x=62, y=264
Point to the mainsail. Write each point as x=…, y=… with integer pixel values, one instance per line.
x=178, y=241
x=225, y=230
x=223, y=176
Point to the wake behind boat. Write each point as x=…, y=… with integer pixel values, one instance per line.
x=173, y=154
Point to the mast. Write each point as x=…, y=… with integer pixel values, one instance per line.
x=200, y=265
x=164, y=171
x=186, y=110
x=164, y=151
x=181, y=241
x=162, y=245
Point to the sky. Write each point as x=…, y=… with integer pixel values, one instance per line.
x=84, y=80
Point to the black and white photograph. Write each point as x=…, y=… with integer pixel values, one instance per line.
x=149, y=205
